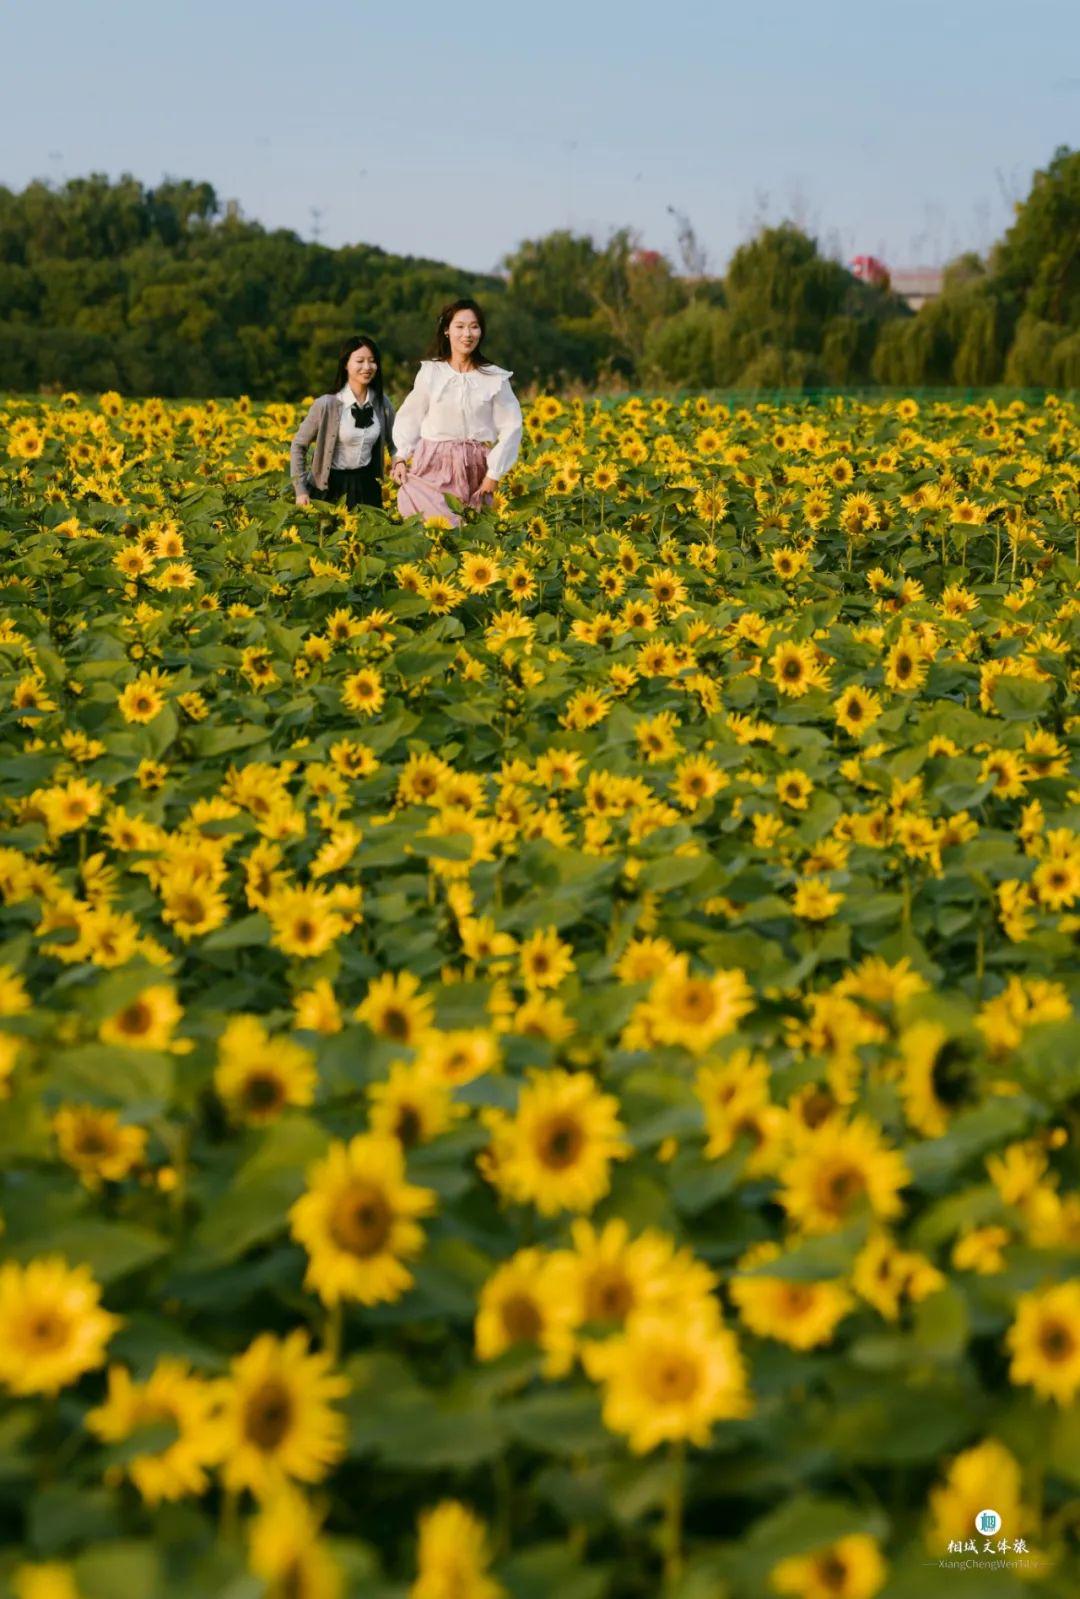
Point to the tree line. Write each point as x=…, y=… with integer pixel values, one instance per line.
x=163, y=290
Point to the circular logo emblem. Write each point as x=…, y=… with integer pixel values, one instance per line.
x=988, y=1522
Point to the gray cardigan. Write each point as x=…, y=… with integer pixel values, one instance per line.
x=321, y=424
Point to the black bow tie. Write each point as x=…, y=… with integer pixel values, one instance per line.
x=363, y=415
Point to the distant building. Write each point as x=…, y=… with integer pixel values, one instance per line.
x=915, y=285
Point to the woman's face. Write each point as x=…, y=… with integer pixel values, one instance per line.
x=463, y=332
x=361, y=367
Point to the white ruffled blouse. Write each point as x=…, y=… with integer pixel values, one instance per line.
x=446, y=404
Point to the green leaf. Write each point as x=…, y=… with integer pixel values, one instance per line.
x=111, y=1249
x=112, y=1073
x=942, y=1324
x=1020, y=699
x=560, y=1422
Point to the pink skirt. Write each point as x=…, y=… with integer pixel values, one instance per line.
x=440, y=467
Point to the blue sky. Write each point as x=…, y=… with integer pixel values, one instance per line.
x=454, y=132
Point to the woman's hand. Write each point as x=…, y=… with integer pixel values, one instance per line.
x=399, y=472
x=303, y=499
x=488, y=486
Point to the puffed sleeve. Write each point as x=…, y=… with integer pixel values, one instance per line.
x=508, y=423
x=408, y=420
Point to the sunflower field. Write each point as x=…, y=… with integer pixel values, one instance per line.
x=542, y=1057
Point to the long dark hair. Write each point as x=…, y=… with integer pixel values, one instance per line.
x=439, y=348
x=360, y=341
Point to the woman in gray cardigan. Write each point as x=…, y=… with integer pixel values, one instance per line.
x=351, y=427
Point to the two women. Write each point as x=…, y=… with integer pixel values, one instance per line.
x=458, y=432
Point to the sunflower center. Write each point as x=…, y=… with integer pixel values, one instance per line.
x=798, y=1297
x=408, y=1126
x=840, y=1186
x=832, y=1572
x=560, y=1142
x=136, y=1019
x=695, y=1002
x=361, y=1220
x=263, y=1091
x=952, y=1076
x=395, y=1023
x=793, y=669
x=1056, y=1340
x=268, y=1416
x=609, y=1296
x=45, y=1331
x=521, y=1319
x=304, y=930
x=93, y=1141
x=672, y=1379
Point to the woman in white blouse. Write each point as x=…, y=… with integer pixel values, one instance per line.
x=461, y=424
x=350, y=427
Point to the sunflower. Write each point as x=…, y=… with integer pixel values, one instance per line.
x=794, y=788
x=526, y=1300
x=453, y=1556
x=793, y=668
x=396, y=1008
x=97, y=1145
x=478, y=572
x=172, y=1396
x=191, y=907
x=885, y=1275
x=611, y=1274
x=836, y=1169
x=287, y=1553
x=363, y=691
x=141, y=700
x=258, y=1076
x=53, y=1327
x=460, y=1055
x=802, y=1314
x=905, y=667
x=849, y=1568
x=71, y=805
x=986, y=1474
x=276, y=1421
x=734, y=1096
x=691, y=1010
x=858, y=515
x=545, y=960
x=413, y=1104
x=304, y=921
x=814, y=901
x=556, y=1151
x=421, y=778
x=14, y=1000
x=357, y=1221
x=937, y=1077
x=656, y=738
x=856, y=710
x=669, y=1376
x=316, y=1009
x=146, y=1022
x=1044, y=1342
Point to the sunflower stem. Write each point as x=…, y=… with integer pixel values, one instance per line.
x=332, y=1332
x=229, y=1516
x=672, y=1531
